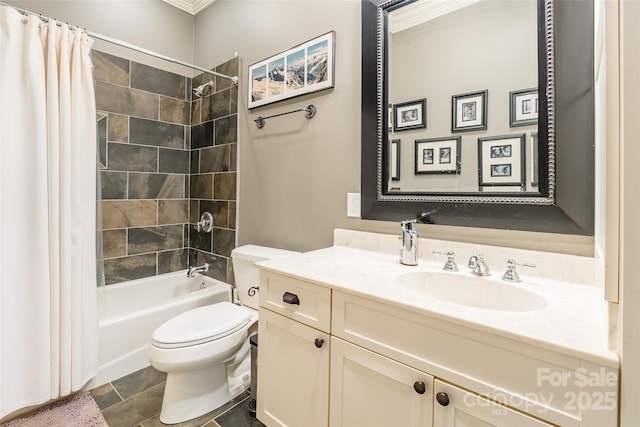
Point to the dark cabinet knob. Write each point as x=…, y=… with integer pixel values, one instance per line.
x=442, y=398
x=290, y=298
x=319, y=342
x=419, y=387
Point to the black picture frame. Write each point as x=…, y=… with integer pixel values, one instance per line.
x=534, y=159
x=410, y=115
x=394, y=160
x=267, y=82
x=523, y=107
x=501, y=161
x=438, y=155
x=469, y=111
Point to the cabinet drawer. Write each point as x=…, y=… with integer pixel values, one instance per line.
x=302, y=301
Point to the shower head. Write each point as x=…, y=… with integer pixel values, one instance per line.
x=199, y=91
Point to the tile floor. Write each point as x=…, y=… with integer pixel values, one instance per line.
x=135, y=401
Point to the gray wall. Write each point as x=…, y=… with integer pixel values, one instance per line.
x=294, y=173
x=151, y=24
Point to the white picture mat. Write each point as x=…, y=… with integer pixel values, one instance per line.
x=479, y=113
x=308, y=87
x=417, y=120
x=393, y=159
x=515, y=161
x=436, y=166
x=532, y=98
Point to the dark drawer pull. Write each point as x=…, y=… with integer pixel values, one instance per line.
x=442, y=398
x=419, y=387
x=290, y=298
x=319, y=342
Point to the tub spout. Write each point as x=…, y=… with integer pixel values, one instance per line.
x=198, y=269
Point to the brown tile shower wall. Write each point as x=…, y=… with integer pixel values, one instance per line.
x=147, y=162
x=214, y=136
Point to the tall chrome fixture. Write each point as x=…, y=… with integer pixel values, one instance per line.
x=409, y=249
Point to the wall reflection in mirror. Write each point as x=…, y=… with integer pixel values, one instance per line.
x=462, y=96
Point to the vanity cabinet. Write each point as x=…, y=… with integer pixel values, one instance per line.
x=333, y=358
x=293, y=357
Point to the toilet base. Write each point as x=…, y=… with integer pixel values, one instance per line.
x=191, y=394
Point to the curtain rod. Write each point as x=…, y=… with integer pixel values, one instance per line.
x=121, y=43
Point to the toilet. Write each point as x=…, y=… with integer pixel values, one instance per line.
x=205, y=351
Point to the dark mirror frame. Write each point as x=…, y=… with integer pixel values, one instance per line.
x=571, y=210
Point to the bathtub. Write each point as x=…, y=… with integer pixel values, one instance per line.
x=131, y=311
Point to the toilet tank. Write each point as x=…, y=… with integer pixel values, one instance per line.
x=246, y=273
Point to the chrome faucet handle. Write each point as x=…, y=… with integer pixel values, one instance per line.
x=205, y=224
x=479, y=266
x=450, y=265
x=511, y=275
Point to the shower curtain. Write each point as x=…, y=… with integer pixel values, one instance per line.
x=48, y=320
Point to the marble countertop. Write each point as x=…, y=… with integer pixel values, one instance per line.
x=572, y=322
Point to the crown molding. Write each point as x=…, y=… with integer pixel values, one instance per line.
x=190, y=6
x=423, y=11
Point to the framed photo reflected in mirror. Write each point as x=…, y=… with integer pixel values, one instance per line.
x=523, y=107
x=469, y=111
x=438, y=155
x=501, y=161
x=410, y=115
x=394, y=160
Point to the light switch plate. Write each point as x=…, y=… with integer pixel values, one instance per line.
x=353, y=205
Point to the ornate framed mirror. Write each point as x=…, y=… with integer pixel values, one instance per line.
x=492, y=104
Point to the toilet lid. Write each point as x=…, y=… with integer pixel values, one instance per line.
x=201, y=325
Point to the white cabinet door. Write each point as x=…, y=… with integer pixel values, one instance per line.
x=369, y=390
x=455, y=407
x=293, y=373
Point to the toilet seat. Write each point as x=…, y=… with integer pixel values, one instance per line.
x=201, y=325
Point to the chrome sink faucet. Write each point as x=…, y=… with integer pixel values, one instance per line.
x=409, y=248
x=478, y=265
x=198, y=269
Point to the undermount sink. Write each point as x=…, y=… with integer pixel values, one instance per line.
x=471, y=291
